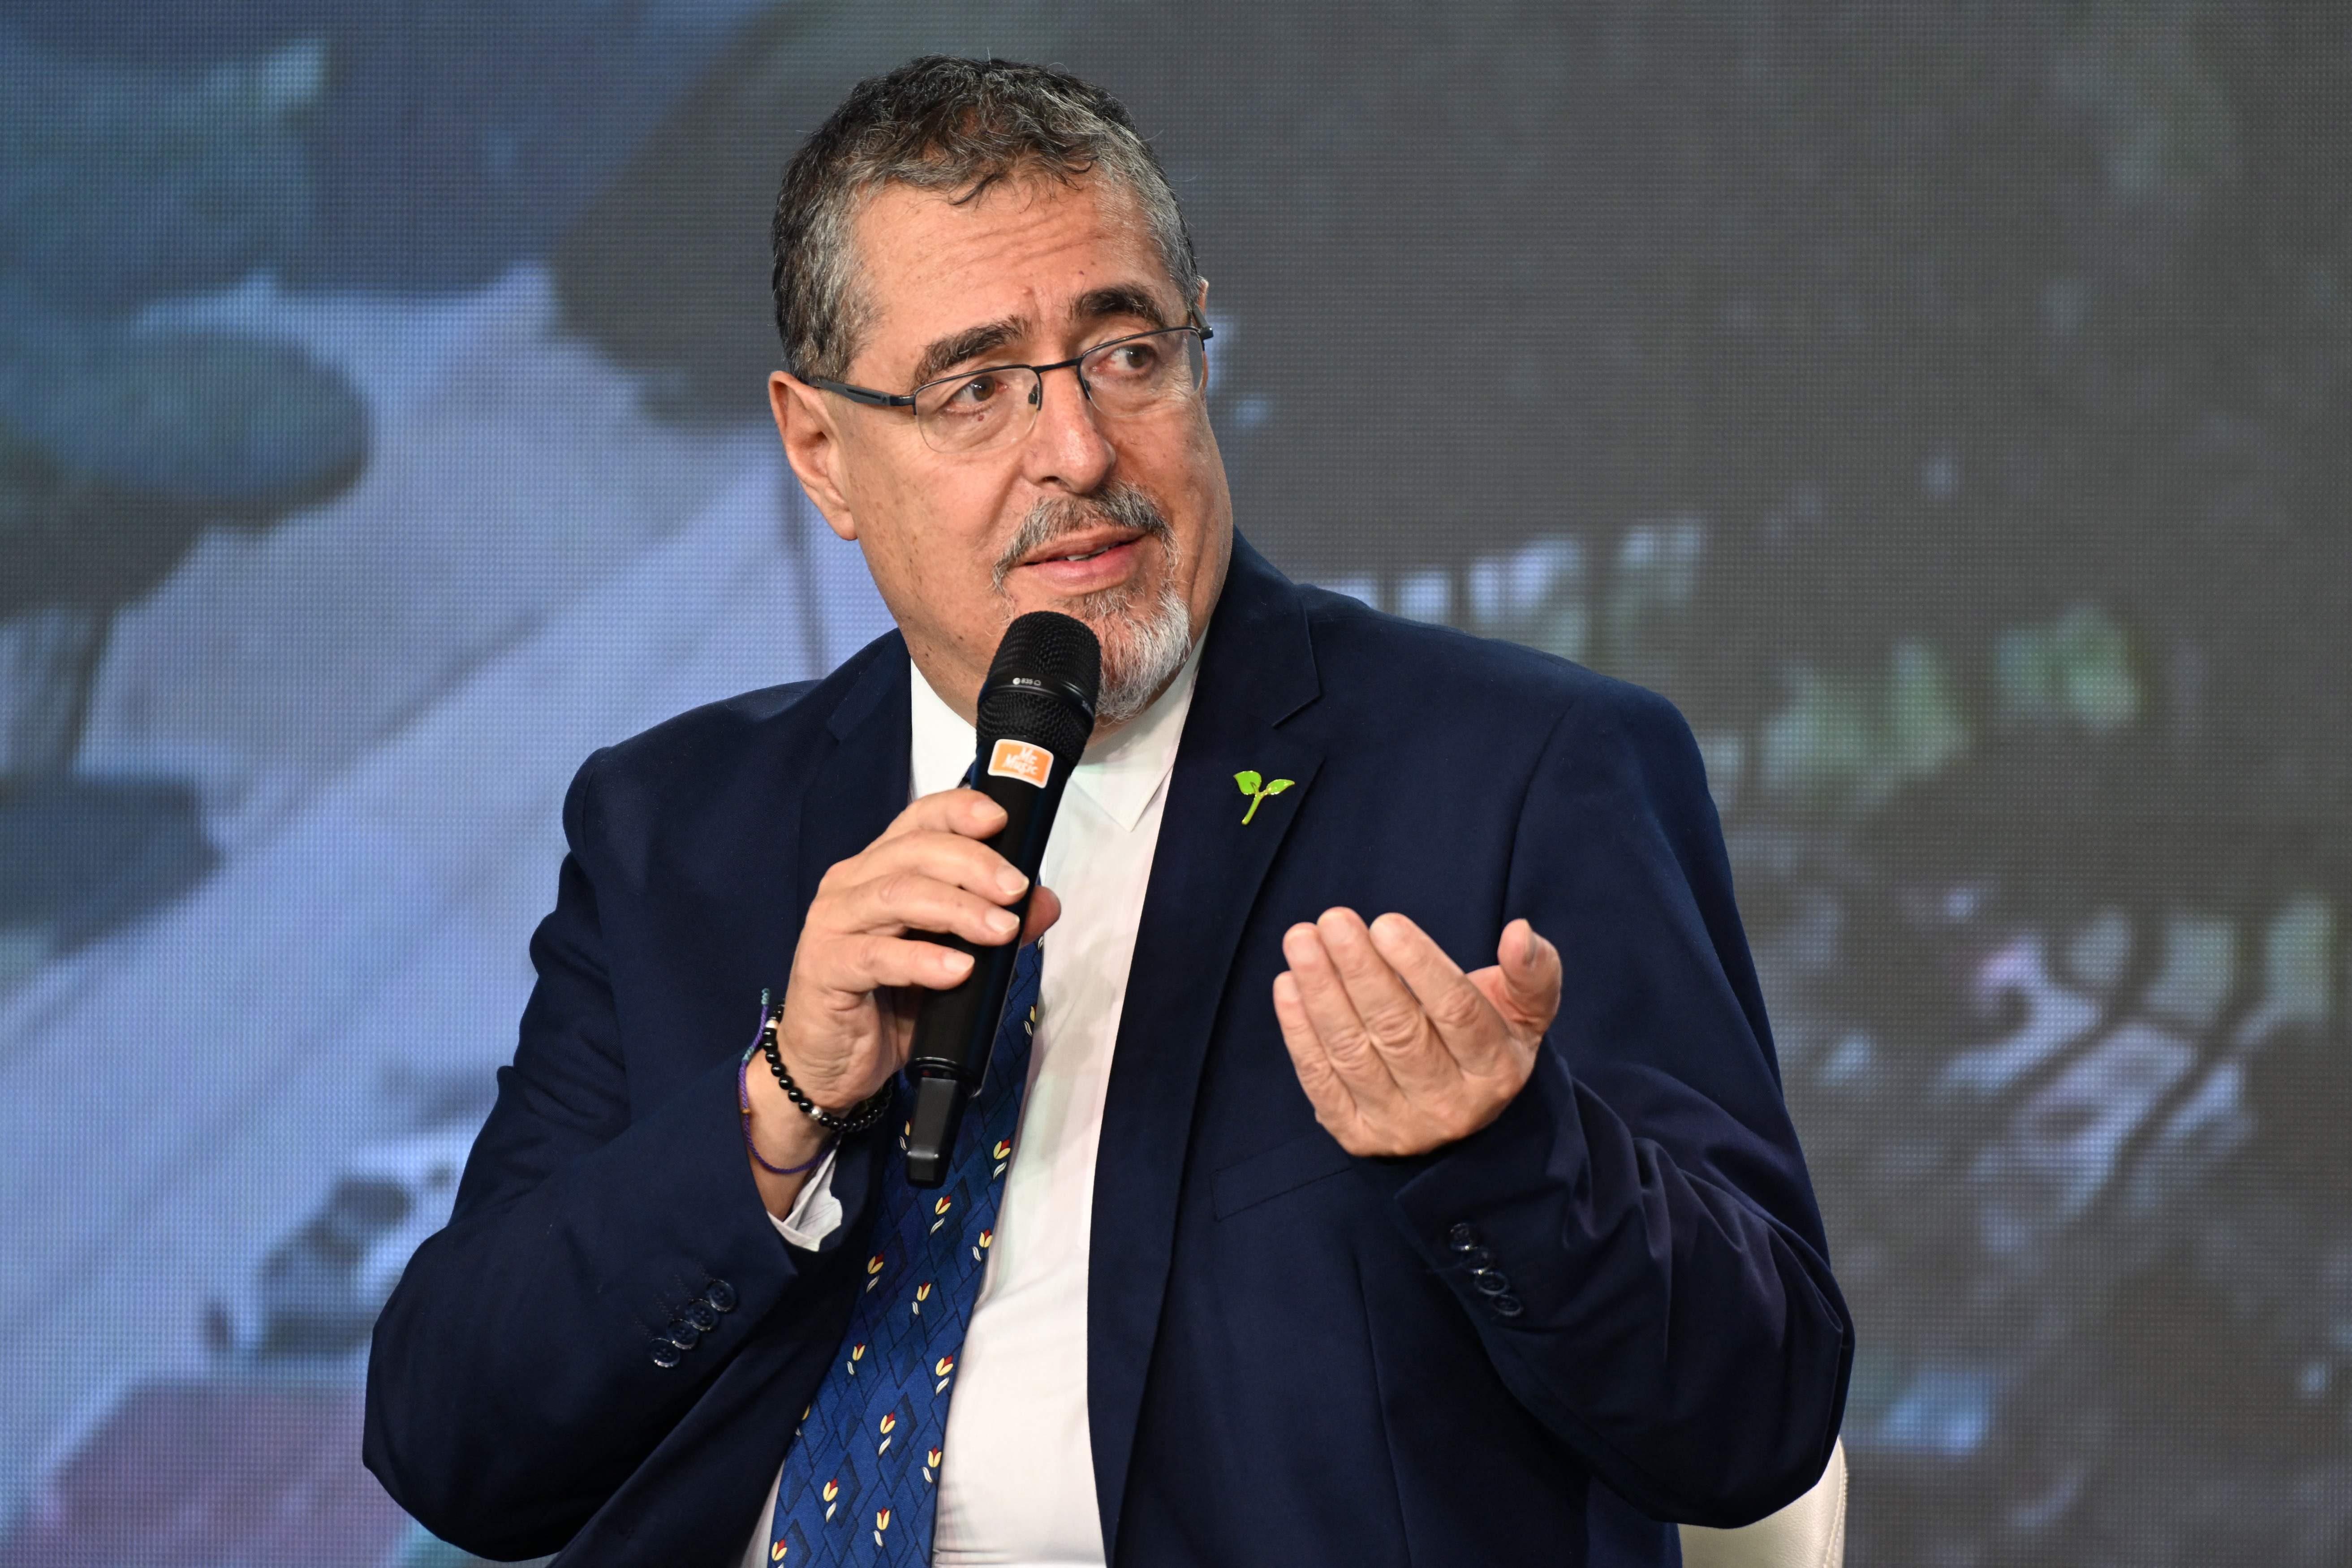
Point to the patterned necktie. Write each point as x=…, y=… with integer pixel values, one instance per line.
x=861, y=1479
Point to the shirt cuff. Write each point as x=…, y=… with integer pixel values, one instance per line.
x=816, y=1213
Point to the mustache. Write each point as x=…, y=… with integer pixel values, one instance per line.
x=1120, y=505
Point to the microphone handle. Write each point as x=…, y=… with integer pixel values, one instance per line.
x=955, y=1031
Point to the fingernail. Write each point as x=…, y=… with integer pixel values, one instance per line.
x=957, y=962
x=1004, y=922
x=1011, y=881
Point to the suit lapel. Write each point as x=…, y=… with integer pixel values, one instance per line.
x=1257, y=670
x=862, y=784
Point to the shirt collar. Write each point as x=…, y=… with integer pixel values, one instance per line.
x=1120, y=774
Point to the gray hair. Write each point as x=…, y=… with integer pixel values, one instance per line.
x=939, y=124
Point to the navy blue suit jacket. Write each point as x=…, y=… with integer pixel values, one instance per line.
x=1286, y=1363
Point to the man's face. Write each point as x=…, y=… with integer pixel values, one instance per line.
x=1119, y=522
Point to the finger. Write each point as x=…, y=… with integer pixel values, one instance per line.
x=1465, y=1022
x=1326, y=1091
x=1530, y=976
x=904, y=901
x=1044, y=908
x=1332, y=1015
x=965, y=811
x=1392, y=1015
x=861, y=965
x=943, y=857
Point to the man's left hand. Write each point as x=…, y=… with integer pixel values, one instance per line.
x=1399, y=1051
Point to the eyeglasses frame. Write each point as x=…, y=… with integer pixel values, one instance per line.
x=872, y=398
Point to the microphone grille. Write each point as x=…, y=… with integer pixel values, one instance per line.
x=1053, y=649
x=1042, y=684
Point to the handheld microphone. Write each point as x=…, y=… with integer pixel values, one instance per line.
x=1037, y=710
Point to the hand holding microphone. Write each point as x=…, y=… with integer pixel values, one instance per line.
x=959, y=866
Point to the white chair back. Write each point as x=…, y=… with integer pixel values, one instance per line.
x=1808, y=1533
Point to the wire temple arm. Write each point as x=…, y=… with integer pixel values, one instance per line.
x=866, y=395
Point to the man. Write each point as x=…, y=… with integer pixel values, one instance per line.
x=1297, y=1243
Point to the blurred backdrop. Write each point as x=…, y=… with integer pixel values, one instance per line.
x=1945, y=404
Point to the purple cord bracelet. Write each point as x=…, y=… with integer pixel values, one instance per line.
x=744, y=1100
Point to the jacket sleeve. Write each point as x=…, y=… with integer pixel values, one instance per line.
x=513, y=1384
x=1652, y=1283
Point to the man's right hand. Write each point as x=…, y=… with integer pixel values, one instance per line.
x=862, y=963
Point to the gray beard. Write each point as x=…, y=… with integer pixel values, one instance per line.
x=1142, y=650
x=1143, y=645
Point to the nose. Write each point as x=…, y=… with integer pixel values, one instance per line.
x=1067, y=446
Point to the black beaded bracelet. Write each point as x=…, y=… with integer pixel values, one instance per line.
x=862, y=1115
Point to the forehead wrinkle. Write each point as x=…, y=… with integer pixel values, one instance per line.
x=1130, y=297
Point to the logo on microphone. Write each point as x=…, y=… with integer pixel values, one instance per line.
x=1014, y=759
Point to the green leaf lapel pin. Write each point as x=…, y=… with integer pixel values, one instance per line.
x=1257, y=790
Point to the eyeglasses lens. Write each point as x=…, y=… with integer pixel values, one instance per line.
x=1124, y=377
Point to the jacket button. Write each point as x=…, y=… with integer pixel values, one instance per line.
x=701, y=1314
x=1462, y=1238
x=1490, y=1282
x=666, y=1355
x=683, y=1334
x=1479, y=1257
x=720, y=1295
x=1505, y=1306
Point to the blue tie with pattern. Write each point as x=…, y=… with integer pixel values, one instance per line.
x=861, y=1479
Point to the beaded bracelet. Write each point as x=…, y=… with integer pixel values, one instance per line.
x=743, y=1100
x=862, y=1115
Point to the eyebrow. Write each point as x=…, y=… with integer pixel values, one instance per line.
x=1117, y=300
x=957, y=347
x=1095, y=305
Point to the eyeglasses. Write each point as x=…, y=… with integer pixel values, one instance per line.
x=974, y=410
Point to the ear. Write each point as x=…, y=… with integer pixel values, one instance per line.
x=812, y=447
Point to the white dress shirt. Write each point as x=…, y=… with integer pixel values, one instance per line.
x=1017, y=1487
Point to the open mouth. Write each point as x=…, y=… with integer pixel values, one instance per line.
x=1086, y=547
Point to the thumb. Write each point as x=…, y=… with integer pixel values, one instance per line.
x=1044, y=908
x=1530, y=970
